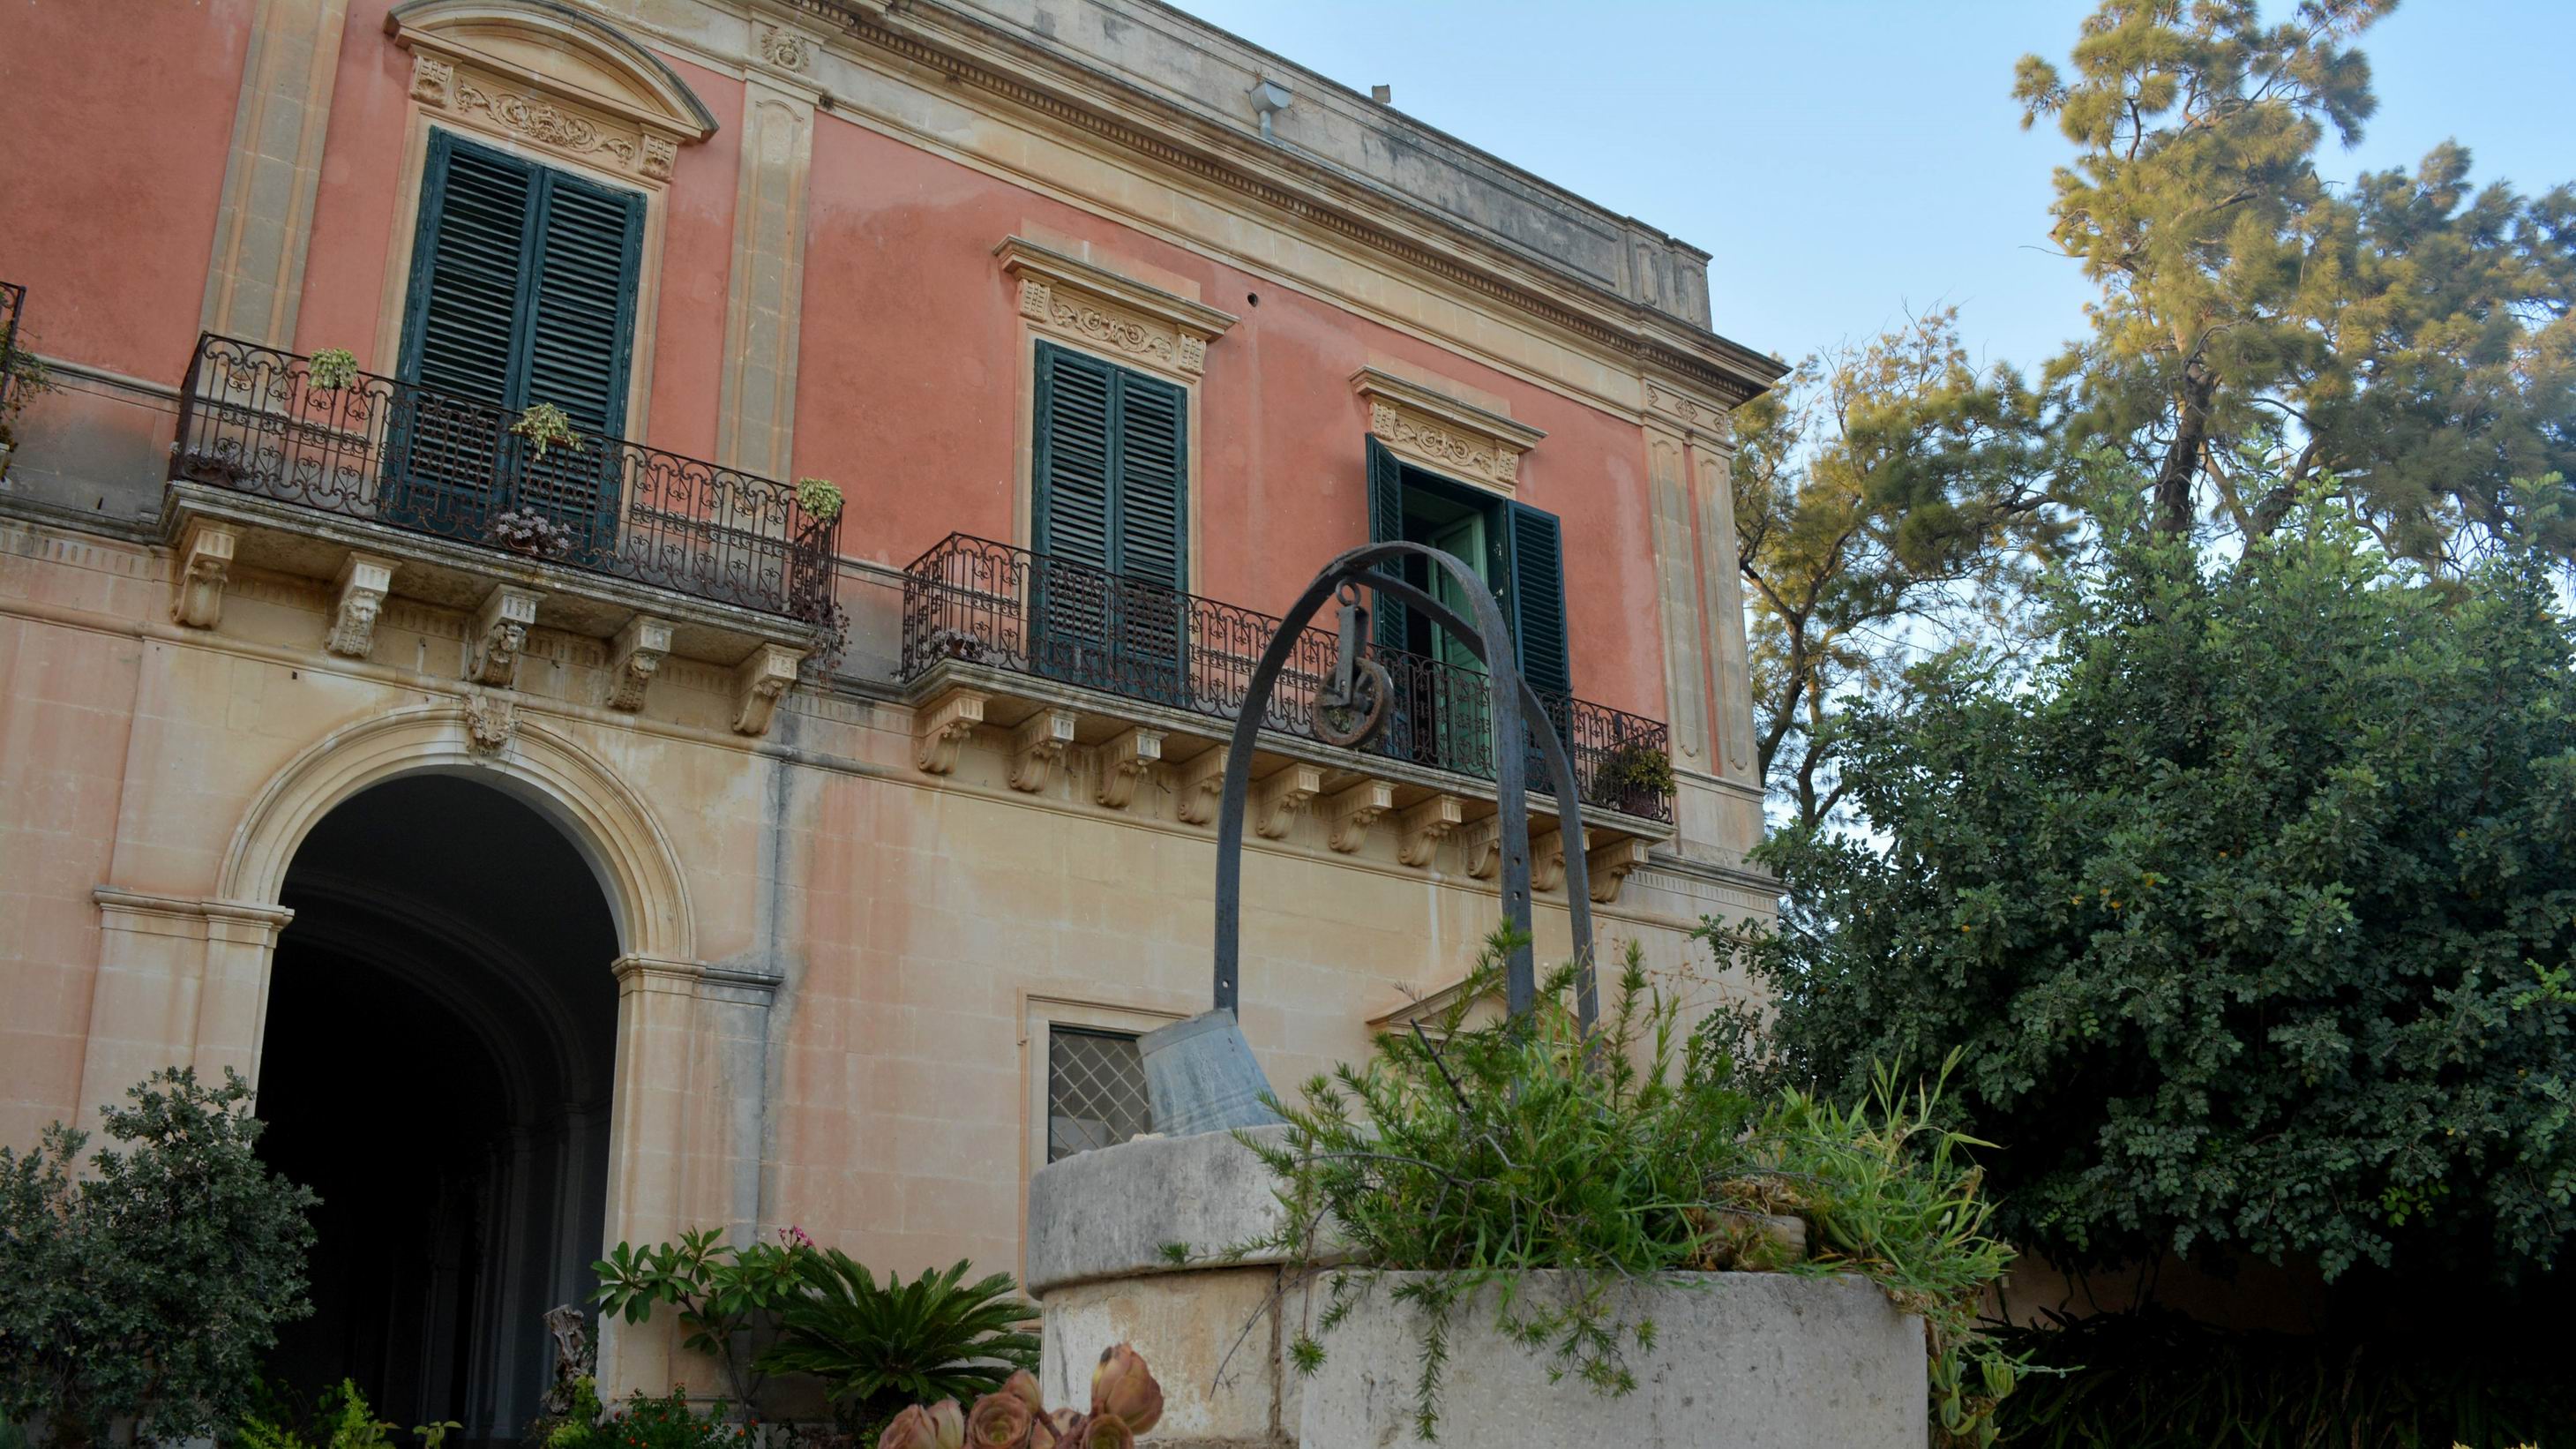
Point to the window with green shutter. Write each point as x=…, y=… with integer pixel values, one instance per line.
x=522, y=292
x=1111, y=524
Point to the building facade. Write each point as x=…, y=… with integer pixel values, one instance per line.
x=629, y=605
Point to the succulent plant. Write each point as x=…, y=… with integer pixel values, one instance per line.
x=1125, y=1402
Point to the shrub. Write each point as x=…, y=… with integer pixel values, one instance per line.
x=2155, y=1380
x=667, y=1422
x=1468, y=1161
x=877, y=1347
x=151, y=1288
x=728, y=1297
x=2231, y=907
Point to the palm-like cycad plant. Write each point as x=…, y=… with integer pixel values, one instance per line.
x=879, y=1347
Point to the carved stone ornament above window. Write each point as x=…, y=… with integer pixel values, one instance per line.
x=1433, y=430
x=1691, y=413
x=551, y=78
x=1113, y=315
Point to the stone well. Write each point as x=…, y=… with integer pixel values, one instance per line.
x=1740, y=1360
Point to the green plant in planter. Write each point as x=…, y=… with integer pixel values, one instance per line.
x=1467, y=1158
x=1635, y=771
x=332, y=368
x=820, y=497
x=545, y=425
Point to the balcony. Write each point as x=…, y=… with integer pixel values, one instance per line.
x=1033, y=636
x=393, y=488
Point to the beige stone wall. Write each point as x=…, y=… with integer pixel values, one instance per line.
x=917, y=927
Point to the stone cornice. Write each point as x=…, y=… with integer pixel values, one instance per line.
x=1442, y=433
x=1115, y=313
x=966, y=52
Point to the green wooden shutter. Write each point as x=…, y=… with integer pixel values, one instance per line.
x=462, y=321
x=1072, y=466
x=1152, y=495
x=1386, y=525
x=580, y=319
x=1537, y=599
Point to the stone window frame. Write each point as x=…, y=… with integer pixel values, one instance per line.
x=1039, y=1016
x=1088, y=308
x=1445, y=435
x=464, y=81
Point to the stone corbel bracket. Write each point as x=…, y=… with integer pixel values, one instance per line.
x=1202, y=781
x=359, y=597
x=758, y=685
x=500, y=631
x=1354, y=810
x=1433, y=430
x=943, y=727
x=634, y=659
x=1547, y=857
x=1482, y=846
x=1119, y=315
x=1610, y=865
x=1277, y=799
x=1038, y=746
x=205, y=564
x=1124, y=762
x=1420, y=829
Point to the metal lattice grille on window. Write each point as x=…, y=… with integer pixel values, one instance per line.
x=1095, y=1091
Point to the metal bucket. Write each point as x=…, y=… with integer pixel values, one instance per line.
x=1200, y=1077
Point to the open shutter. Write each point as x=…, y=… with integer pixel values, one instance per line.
x=1537, y=599
x=1151, y=553
x=581, y=322
x=1386, y=525
x=1073, y=533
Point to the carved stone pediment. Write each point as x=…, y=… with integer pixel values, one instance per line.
x=1119, y=316
x=550, y=77
x=1432, y=430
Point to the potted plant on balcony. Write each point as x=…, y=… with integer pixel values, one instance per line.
x=544, y=425
x=22, y=378
x=1637, y=775
x=331, y=369
x=524, y=530
x=819, y=497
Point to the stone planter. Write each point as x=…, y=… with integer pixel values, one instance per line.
x=1741, y=1359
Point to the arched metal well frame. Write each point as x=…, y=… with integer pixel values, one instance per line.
x=1513, y=703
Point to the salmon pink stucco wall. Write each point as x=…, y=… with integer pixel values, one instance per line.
x=909, y=387
x=362, y=205
x=112, y=175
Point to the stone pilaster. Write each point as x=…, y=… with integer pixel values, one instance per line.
x=756, y=416
x=264, y=220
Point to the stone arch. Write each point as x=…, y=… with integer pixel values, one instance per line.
x=606, y=821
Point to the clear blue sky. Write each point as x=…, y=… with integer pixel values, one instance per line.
x=1846, y=161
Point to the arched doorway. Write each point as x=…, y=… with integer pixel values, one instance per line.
x=436, y=1064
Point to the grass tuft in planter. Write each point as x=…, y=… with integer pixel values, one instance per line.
x=1469, y=1156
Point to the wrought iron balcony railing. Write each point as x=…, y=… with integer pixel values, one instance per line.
x=980, y=602
x=257, y=421
x=13, y=300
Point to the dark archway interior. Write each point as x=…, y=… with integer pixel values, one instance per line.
x=436, y=1065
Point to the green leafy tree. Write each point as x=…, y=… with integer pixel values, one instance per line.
x=2260, y=333
x=728, y=1296
x=1888, y=502
x=2231, y=908
x=150, y=1287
